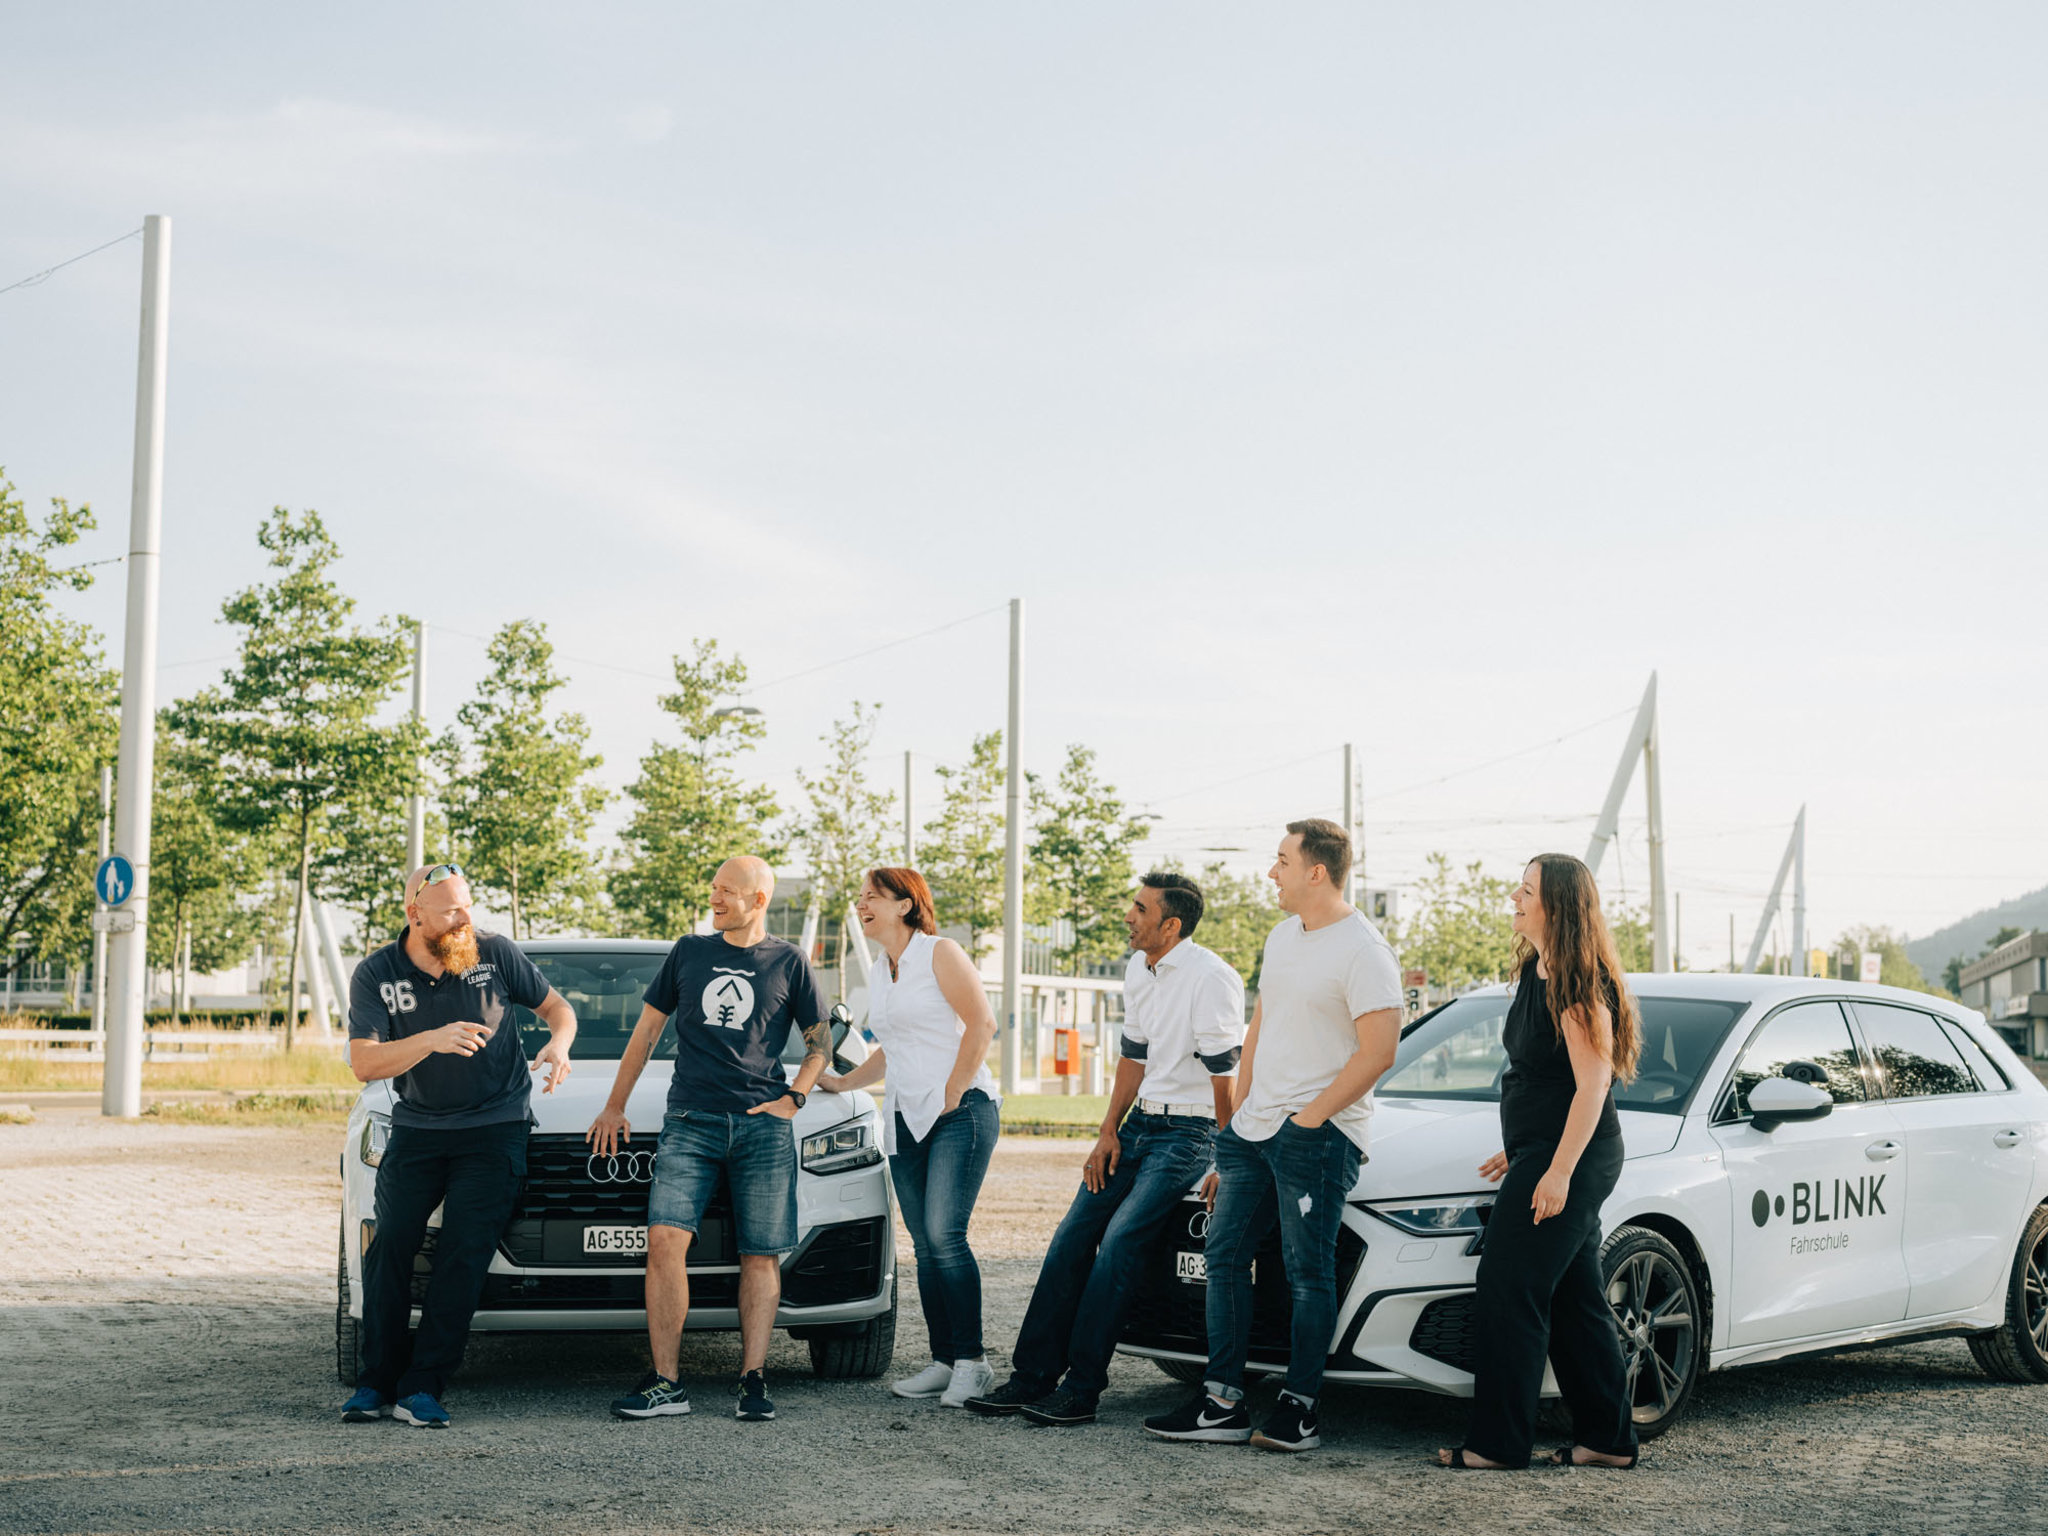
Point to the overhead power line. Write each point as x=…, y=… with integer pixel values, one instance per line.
x=49, y=272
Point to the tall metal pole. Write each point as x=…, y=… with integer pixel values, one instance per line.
x=416, y=810
x=1653, y=787
x=1799, y=894
x=1610, y=813
x=1013, y=855
x=909, y=821
x=128, y=957
x=99, y=937
x=1794, y=855
x=1350, y=827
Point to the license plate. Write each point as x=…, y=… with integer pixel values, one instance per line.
x=615, y=1240
x=1191, y=1267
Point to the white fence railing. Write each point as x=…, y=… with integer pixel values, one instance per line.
x=186, y=1044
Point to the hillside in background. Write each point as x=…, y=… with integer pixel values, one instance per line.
x=1967, y=938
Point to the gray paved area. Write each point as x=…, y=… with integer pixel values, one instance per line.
x=166, y=1364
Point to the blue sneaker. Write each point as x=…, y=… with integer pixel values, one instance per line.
x=366, y=1407
x=420, y=1411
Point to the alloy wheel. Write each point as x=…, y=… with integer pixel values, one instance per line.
x=1652, y=1306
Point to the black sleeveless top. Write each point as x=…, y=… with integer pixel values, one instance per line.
x=1536, y=1091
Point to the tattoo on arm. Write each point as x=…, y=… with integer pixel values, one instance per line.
x=818, y=1043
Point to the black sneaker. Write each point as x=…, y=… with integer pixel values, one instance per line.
x=1062, y=1405
x=754, y=1407
x=1291, y=1426
x=1202, y=1419
x=1011, y=1396
x=654, y=1398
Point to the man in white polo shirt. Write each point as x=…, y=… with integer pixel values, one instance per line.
x=1328, y=1019
x=1183, y=1029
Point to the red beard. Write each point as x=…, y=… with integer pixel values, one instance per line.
x=455, y=949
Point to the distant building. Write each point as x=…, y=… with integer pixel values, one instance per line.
x=2009, y=987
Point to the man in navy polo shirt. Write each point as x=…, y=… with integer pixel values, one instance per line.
x=735, y=994
x=429, y=1010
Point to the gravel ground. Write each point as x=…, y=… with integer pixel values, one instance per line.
x=166, y=1364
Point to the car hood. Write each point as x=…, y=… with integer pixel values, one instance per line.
x=571, y=1107
x=1435, y=1146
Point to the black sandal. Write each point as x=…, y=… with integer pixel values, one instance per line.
x=1458, y=1463
x=1562, y=1457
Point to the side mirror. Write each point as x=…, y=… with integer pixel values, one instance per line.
x=1778, y=1099
x=842, y=1022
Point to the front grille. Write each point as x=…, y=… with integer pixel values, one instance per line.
x=1171, y=1313
x=560, y=1199
x=1445, y=1331
x=840, y=1263
x=537, y=1293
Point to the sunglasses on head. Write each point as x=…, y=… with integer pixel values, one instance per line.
x=436, y=875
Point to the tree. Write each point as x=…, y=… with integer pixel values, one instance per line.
x=520, y=798
x=199, y=868
x=1895, y=969
x=1238, y=912
x=1632, y=938
x=360, y=862
x=1461, y=931
x=57, y=726
x=293, y=726
x=1081, y=860
x=691, y=810
x=962, y=852
x=846, y=831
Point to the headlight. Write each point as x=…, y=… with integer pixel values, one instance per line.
x=376, y=1135
x=843, y=1147
x=1437, y=1218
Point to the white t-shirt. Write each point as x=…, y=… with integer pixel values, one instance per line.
x=1312, y=988
x=1184, y=1019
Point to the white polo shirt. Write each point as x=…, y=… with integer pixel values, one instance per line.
x=1183, y=1018
x=1313, y=985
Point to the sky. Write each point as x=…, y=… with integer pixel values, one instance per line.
x=1421, y=377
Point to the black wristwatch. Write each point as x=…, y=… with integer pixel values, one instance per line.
x=801, y=1098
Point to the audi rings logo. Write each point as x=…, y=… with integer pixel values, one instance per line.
x=1198, y=1225
x=626, y=1168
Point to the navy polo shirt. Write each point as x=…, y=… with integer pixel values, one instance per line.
x=390, y=998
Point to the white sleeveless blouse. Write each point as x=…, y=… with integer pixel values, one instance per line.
x=914, y=1024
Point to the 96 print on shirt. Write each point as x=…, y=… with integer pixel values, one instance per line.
x=397, y=997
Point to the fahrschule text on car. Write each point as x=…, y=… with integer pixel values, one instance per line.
x=1812, y=1167
x=574, y=1256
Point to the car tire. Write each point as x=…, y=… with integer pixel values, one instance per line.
x=348, y=1332
x=1657, y=1311
x=854, y=1351
x=2017, y=1350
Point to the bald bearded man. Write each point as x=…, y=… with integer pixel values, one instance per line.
x=735, y=994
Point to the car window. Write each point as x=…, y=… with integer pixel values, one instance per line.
x=1814, y=1032
x=1456, y=1053
x=1989, y=1078
x=605, y=987
x=1915, y=1060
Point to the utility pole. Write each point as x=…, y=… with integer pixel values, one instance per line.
x=1351, y=825
x=1794, y=859
x=128, y=957
x=1642, y=743
x=1799, y=964
x=1677, y=927
x=1731, y=943
x=99, y=935
x=909, y=821
x=416, y=810
x=1013, y=856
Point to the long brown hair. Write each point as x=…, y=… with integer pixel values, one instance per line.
x=1585, y=967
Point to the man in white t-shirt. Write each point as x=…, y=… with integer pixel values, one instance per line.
x=1327, y=1022
x=1183, y=1029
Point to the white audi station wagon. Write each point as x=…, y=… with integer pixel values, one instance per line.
x=1812, y=1166
x=573, y=1257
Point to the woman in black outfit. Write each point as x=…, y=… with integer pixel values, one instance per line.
x=1571, y=1030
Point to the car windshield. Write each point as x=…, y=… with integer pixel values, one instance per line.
x=1457, y=1054
x=606, y=988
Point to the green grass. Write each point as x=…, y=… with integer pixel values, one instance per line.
x=1053, y=1114
x=309, y=1066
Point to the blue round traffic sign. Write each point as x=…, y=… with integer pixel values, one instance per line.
x=115, y=881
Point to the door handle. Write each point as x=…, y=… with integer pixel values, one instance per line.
x=2006, y=1139
x=1882, y=1151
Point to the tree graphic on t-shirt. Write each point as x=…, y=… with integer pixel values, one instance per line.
x=728, y=1001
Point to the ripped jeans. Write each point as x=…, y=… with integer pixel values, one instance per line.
x=1301, y=1178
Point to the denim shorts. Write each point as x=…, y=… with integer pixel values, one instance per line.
x=757, y=1155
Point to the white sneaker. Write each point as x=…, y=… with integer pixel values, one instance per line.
x=929, y=1382
x=971, y=1378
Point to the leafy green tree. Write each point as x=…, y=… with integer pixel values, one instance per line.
x=360, y=863
x=1461, y=930
x=962, y=851
x=1632, y=938
x=1895, y=969
x=1238, y=912
x=57, y=726
x=1081, y=872
x=293, y=726
x=845, y=833
x=200, y=870
x=520, y=796
x=691, y=810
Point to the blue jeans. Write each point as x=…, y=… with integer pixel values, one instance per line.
x=1098, y=1254
x=936, y=1181
x=1302, y=1178
x=757, y=1154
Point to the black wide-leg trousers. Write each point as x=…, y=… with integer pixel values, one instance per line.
x=1541, y=1294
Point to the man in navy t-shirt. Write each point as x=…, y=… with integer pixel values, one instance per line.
x=735, y=994
x=428, y=1011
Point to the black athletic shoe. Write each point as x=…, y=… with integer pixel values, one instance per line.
x=1063, y=1405
x=656, y=1397
x=1291, y=1426
x=1010, y=1397
x=1203, y=1419
x=754, y=1407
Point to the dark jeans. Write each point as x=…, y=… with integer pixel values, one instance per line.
x=1301, y=1177
x=936, y=1181
x=1098, y=1254
x=474, y=1174
x=1540, y=1291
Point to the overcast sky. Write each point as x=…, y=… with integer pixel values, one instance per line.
x=1420, y=376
